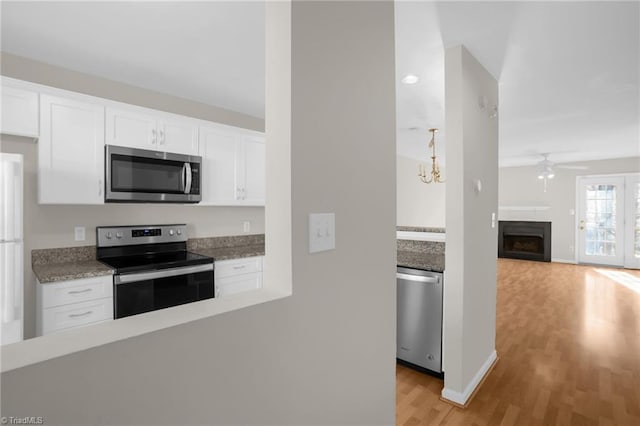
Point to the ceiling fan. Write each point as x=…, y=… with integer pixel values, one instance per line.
x=546, y=169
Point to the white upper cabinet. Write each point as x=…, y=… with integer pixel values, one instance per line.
x=70, y=152
x=254, y=170
x=19, y=112
x=218, y=152
x=137, y=128
x=233, y=164
x=179, y=136
x=131, y=129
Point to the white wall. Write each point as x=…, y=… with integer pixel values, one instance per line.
x=418, y=203
x=325, y=355
x=520, y=187
x=471, y=249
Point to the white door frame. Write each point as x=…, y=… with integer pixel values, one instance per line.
x=581, y=258
x=631, y=182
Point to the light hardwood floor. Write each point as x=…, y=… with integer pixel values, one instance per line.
x=568, y=338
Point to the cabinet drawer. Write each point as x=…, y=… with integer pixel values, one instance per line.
x=228, y=268
x=63, y=293
x=76, y=314
x=236, y=284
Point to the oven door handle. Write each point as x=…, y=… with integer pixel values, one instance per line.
x=163, y=273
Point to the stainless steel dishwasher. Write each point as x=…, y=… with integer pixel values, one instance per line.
x=419, y=333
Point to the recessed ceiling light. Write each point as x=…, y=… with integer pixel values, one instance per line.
x=410, y=79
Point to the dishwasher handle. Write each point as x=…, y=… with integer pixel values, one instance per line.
x=418, y=278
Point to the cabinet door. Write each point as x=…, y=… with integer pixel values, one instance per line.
x=132, y=129
x=19, y=112
x=253, y=173
x=178, y=136
x=70, y=152
x=218, y=152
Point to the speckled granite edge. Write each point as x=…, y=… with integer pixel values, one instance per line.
x=436, y=247
x=63, y=255
x=226, y=253
x=63, y=271
x=419, y=229
x=195, y=244
x=417, y=260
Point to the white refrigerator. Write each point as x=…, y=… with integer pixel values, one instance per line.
x=11, y=248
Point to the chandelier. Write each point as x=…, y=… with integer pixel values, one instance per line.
x=434, y=176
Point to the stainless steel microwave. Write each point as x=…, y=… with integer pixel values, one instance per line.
x=142, y=176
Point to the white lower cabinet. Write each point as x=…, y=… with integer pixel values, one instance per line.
x=237, y=275
x=67, y=304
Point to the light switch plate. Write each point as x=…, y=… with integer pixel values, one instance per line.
x=322, y=232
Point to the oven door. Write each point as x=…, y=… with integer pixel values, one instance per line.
x=138, y=175
x=148, y=291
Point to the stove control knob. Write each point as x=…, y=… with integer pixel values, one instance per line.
x=171, y=232
x=179, y=232
x=109, y=235
x=119, y=235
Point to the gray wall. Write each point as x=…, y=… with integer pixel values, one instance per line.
x=418, y=203
x=325, y=355
x=471, y=250
x=520, y=187
x=47, y=226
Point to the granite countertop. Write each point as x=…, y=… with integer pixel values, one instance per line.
x=225, y=253
x=54, y=272
x=72, y=263
x=421, y=254
x=421, y=260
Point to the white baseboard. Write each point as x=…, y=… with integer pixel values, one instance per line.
x=554, y=259
x=462, y=397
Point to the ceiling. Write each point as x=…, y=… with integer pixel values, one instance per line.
x=211, y=52
x=568, y=75
x=568, y=71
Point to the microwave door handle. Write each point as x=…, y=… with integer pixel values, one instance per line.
x=183, y=178
x=187, y=186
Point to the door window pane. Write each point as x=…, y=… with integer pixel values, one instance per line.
x=601, y=221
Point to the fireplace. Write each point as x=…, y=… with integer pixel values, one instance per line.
x=524, y=240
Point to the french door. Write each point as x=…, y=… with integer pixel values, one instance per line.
x=632, y=218
x=609, y=220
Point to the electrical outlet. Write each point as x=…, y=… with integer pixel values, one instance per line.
x=80, y=233
x=246, y=226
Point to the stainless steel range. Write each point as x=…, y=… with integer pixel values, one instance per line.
x=153, y=269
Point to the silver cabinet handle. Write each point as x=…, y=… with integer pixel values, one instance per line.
x=187, y=186
x=99, y=187
x=153, y=136
x=86, y=290
x=161, y=137
x=80, y=315
x=418, y=278
x=240, y=267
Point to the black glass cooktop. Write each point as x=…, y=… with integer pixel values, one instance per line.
x=154, y=261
